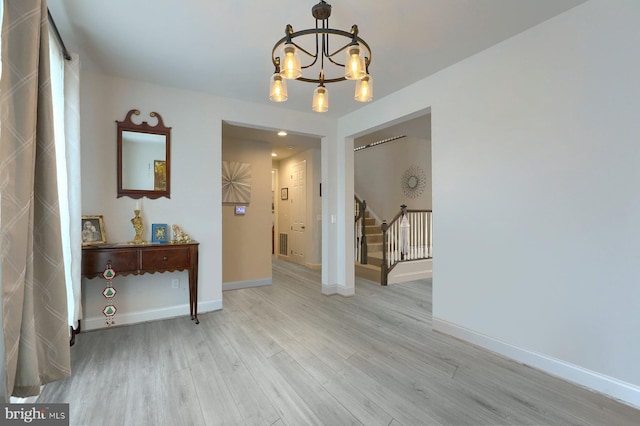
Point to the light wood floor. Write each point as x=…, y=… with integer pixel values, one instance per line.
x=287, y=355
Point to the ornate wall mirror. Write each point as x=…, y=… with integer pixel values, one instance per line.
x=144, y=160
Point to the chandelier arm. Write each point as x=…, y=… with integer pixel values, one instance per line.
x=318, y=81
x=305, y=51
x=362, y=43
x=366, y=46
x=315, y=59
x=318, y=31
x=338, y=51
x=334, y=62
x=324, y=38
x=321, y=31
x=325, y=47
x=342, y=33
x=275, y=47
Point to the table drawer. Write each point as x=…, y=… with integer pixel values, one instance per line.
x=177, y=257
x=94, y=262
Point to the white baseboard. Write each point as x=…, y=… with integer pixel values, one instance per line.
x=27, y=400
x=332, y=289
x=409, y=276
x=329, y=289
x=411, y=271
x=236, y=285
x=346, y=292
x=614, y=388
x=96, y=323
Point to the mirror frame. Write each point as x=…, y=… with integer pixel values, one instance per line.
x=158, y=129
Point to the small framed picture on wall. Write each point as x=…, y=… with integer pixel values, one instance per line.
x=284, y=194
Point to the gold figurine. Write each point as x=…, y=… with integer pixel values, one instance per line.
x=136, y=221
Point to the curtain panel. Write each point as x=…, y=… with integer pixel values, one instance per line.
x=34, y=298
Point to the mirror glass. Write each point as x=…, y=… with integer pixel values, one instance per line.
x=143, y=161
x=143, y=158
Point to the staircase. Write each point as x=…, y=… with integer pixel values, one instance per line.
x=394, y=252
x=371, y=271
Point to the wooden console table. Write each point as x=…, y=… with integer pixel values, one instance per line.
x=128, y=259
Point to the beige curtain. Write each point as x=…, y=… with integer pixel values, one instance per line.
x=34, y=300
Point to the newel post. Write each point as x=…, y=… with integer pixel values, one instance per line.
x=403, y=238
x=384, y=267
x=363, y=240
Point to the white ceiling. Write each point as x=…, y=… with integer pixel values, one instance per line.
x=224, y=47
x=282, y=146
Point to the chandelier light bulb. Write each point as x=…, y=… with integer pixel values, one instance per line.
x=320, y=99
x=291, y=68
x=364, y=89
x=278, y=88
x=354, y=68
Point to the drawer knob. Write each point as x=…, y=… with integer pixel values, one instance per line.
x=164, y=257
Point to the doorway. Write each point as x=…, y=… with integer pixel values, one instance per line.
x=282, y=220
x=298, y=201
x=385, y=161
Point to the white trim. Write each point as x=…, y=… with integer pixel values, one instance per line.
x=411, y=271
x=27, y=400
x=96, y=323
x=346, y=292
x=612, y=387
x=314, y=266
x=236, y=285
x=409, y=276
x=329, y=289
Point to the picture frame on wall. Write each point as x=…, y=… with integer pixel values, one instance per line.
x=159, y=233
x=236, y=183
x=93, y=232
x=284, y=194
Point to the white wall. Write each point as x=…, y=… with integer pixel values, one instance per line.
x=536, y=206
x=195, y=201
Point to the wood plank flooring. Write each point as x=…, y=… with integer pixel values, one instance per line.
x=287, y=355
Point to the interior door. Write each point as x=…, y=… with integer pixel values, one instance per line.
x=298, y=200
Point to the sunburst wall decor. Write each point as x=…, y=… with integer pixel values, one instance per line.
x=236, y=182
x=413, y=181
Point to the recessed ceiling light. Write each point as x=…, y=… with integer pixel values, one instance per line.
x=289, y=146
x=273, y=154
x=282, y=133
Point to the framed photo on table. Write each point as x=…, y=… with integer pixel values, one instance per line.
x=284, y=194
x=93, y=230
x=159, y=233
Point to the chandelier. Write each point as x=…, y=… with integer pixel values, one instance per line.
x=289, y=66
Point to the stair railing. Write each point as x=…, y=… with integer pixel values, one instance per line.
x=360, y=238
x=407, y=237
